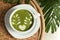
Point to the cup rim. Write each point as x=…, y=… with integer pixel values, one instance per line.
x=28, y=29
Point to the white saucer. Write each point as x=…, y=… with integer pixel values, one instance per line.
x=17, y=34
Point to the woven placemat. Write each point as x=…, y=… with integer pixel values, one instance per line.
x=4, y=35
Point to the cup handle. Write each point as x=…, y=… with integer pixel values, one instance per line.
x=37, y=15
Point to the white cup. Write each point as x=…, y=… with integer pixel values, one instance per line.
x=34, y=13
x=17, y=34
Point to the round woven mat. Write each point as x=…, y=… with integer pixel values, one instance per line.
x=4, y=35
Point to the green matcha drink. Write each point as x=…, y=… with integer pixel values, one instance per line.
x=22, y=20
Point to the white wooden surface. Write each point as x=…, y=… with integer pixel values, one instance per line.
x=55, y=36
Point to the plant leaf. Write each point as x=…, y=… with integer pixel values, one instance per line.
x=5, y=1
x=16, y=1
x=27, y=1
x=12, y=1
x=51, y=14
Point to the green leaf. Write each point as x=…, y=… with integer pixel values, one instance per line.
x=51, y=14
x=47, y=6
x=10, y=1
x=48, y=13
x=27, y=1
x=56, y=20
x=53, y=26
x=47, y=16
x=16, y=1
x=48, y=27
x=5, y=1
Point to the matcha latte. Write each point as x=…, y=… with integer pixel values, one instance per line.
x=22, y=20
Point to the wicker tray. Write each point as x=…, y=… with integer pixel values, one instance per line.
x=4, y=35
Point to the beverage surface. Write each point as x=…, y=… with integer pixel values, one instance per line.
x=22, y=20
